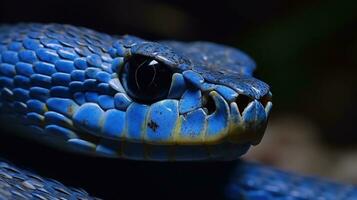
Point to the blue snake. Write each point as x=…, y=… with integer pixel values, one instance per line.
x=125, y=97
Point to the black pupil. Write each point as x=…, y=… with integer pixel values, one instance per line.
x=146, y=75
x=147, y=80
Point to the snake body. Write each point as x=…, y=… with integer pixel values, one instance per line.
x=125, y=97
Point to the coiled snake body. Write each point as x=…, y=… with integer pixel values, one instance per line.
x=125, y=97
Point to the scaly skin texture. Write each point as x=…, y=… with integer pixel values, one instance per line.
x=20, y=184
x=125, y=97
x=249, y=181
x=130, y=98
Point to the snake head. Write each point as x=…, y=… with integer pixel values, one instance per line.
x=130, y=98
x=190, y=94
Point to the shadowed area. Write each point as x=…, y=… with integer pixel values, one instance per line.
x=107, y=178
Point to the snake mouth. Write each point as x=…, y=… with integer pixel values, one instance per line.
x=241, y=100
x=240, y=119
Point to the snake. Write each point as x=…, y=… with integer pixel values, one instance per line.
x=127, y=98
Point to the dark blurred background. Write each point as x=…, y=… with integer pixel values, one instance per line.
x=306, y=51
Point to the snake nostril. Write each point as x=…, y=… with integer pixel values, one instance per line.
x=208, y=104
x=242, y=102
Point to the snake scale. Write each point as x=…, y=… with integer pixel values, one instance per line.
x=124, y=97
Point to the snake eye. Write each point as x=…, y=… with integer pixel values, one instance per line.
x=146, y=79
